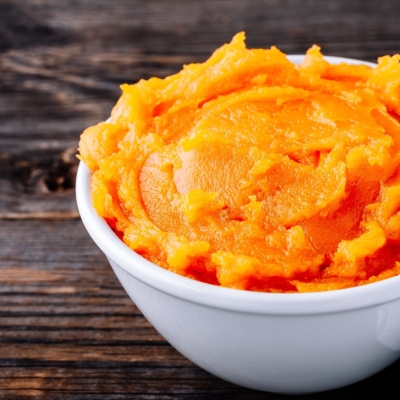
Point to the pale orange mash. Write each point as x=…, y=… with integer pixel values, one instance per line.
x=250, y=172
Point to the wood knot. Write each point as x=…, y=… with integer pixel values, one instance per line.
x=62, y=174
x=42, y=175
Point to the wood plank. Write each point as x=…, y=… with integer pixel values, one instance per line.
x=111, y=335
x=65, y=352
x=132, y=386
x=74, y=247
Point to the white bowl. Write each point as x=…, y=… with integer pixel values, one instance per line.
x=289, y=343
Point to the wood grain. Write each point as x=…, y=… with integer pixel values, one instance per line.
x=67, y=328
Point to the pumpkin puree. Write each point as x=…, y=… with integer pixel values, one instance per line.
x=250, y=172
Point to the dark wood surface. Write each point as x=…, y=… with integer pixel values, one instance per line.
x=67, y=328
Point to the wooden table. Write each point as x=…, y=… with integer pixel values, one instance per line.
x=67, y=328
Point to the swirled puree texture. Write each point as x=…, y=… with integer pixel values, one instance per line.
x=250, y=172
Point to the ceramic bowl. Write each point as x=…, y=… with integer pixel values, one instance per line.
x=291, y=343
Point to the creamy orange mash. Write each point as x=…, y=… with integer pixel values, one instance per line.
x=250, y=172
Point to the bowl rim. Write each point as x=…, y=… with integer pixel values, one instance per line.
x=116, y=250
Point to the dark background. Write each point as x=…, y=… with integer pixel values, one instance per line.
x=67, y=328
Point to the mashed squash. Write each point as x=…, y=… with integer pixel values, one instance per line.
x=250, y=172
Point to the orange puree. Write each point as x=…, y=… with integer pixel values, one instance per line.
x=250, y=172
